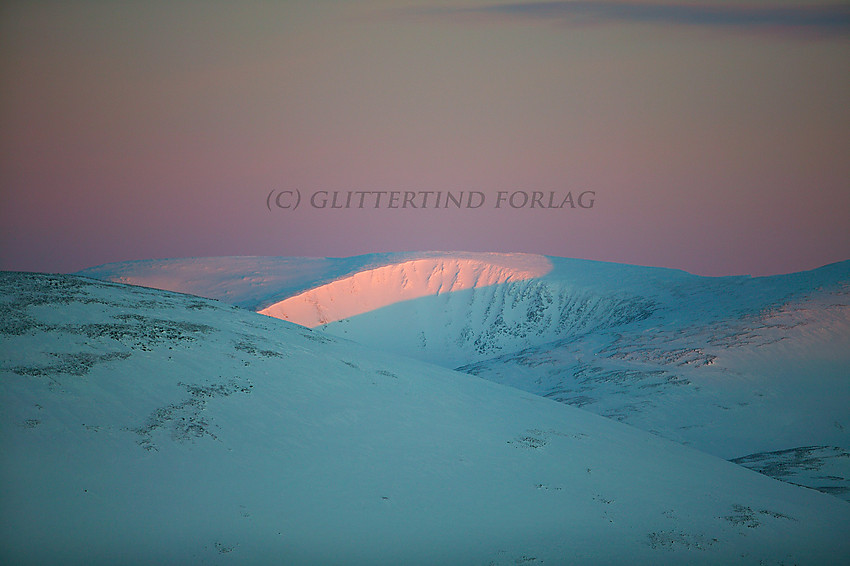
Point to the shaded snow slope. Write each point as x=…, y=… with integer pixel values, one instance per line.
x=140, y=426
x=735, y=366
x=572, y=299
x=775, y=378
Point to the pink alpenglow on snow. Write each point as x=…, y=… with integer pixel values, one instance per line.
x=368, y=290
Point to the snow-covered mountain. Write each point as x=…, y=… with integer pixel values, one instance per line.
x=253, y=282
x=751, y=369
x=141, y=426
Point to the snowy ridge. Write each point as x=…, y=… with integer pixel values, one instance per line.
x=248, y=282
x=258, y=282
x=372, y=289
x=141, y=426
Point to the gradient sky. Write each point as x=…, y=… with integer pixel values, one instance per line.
x=715, y=135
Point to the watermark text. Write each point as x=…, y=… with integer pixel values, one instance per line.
x=423, y=200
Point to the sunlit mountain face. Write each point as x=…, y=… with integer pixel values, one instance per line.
x=142, y=426
x=750, y=369
x=371, y=289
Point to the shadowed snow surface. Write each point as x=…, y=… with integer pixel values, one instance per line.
x=140, y=426
x=734, y=366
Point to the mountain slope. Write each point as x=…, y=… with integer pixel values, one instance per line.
x=750, y=369
x=140, y=426
x=766, y=376
x=258, y=282
x=372, y=289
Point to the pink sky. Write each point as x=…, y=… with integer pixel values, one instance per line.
x=716, y=141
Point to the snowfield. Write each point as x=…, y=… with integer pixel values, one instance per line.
x=755, y=370
x=141, y=426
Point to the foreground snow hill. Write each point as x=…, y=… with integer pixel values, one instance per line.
x=751, y=369
x=142, y=426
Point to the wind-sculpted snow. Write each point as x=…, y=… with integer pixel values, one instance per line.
x=146, y=427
